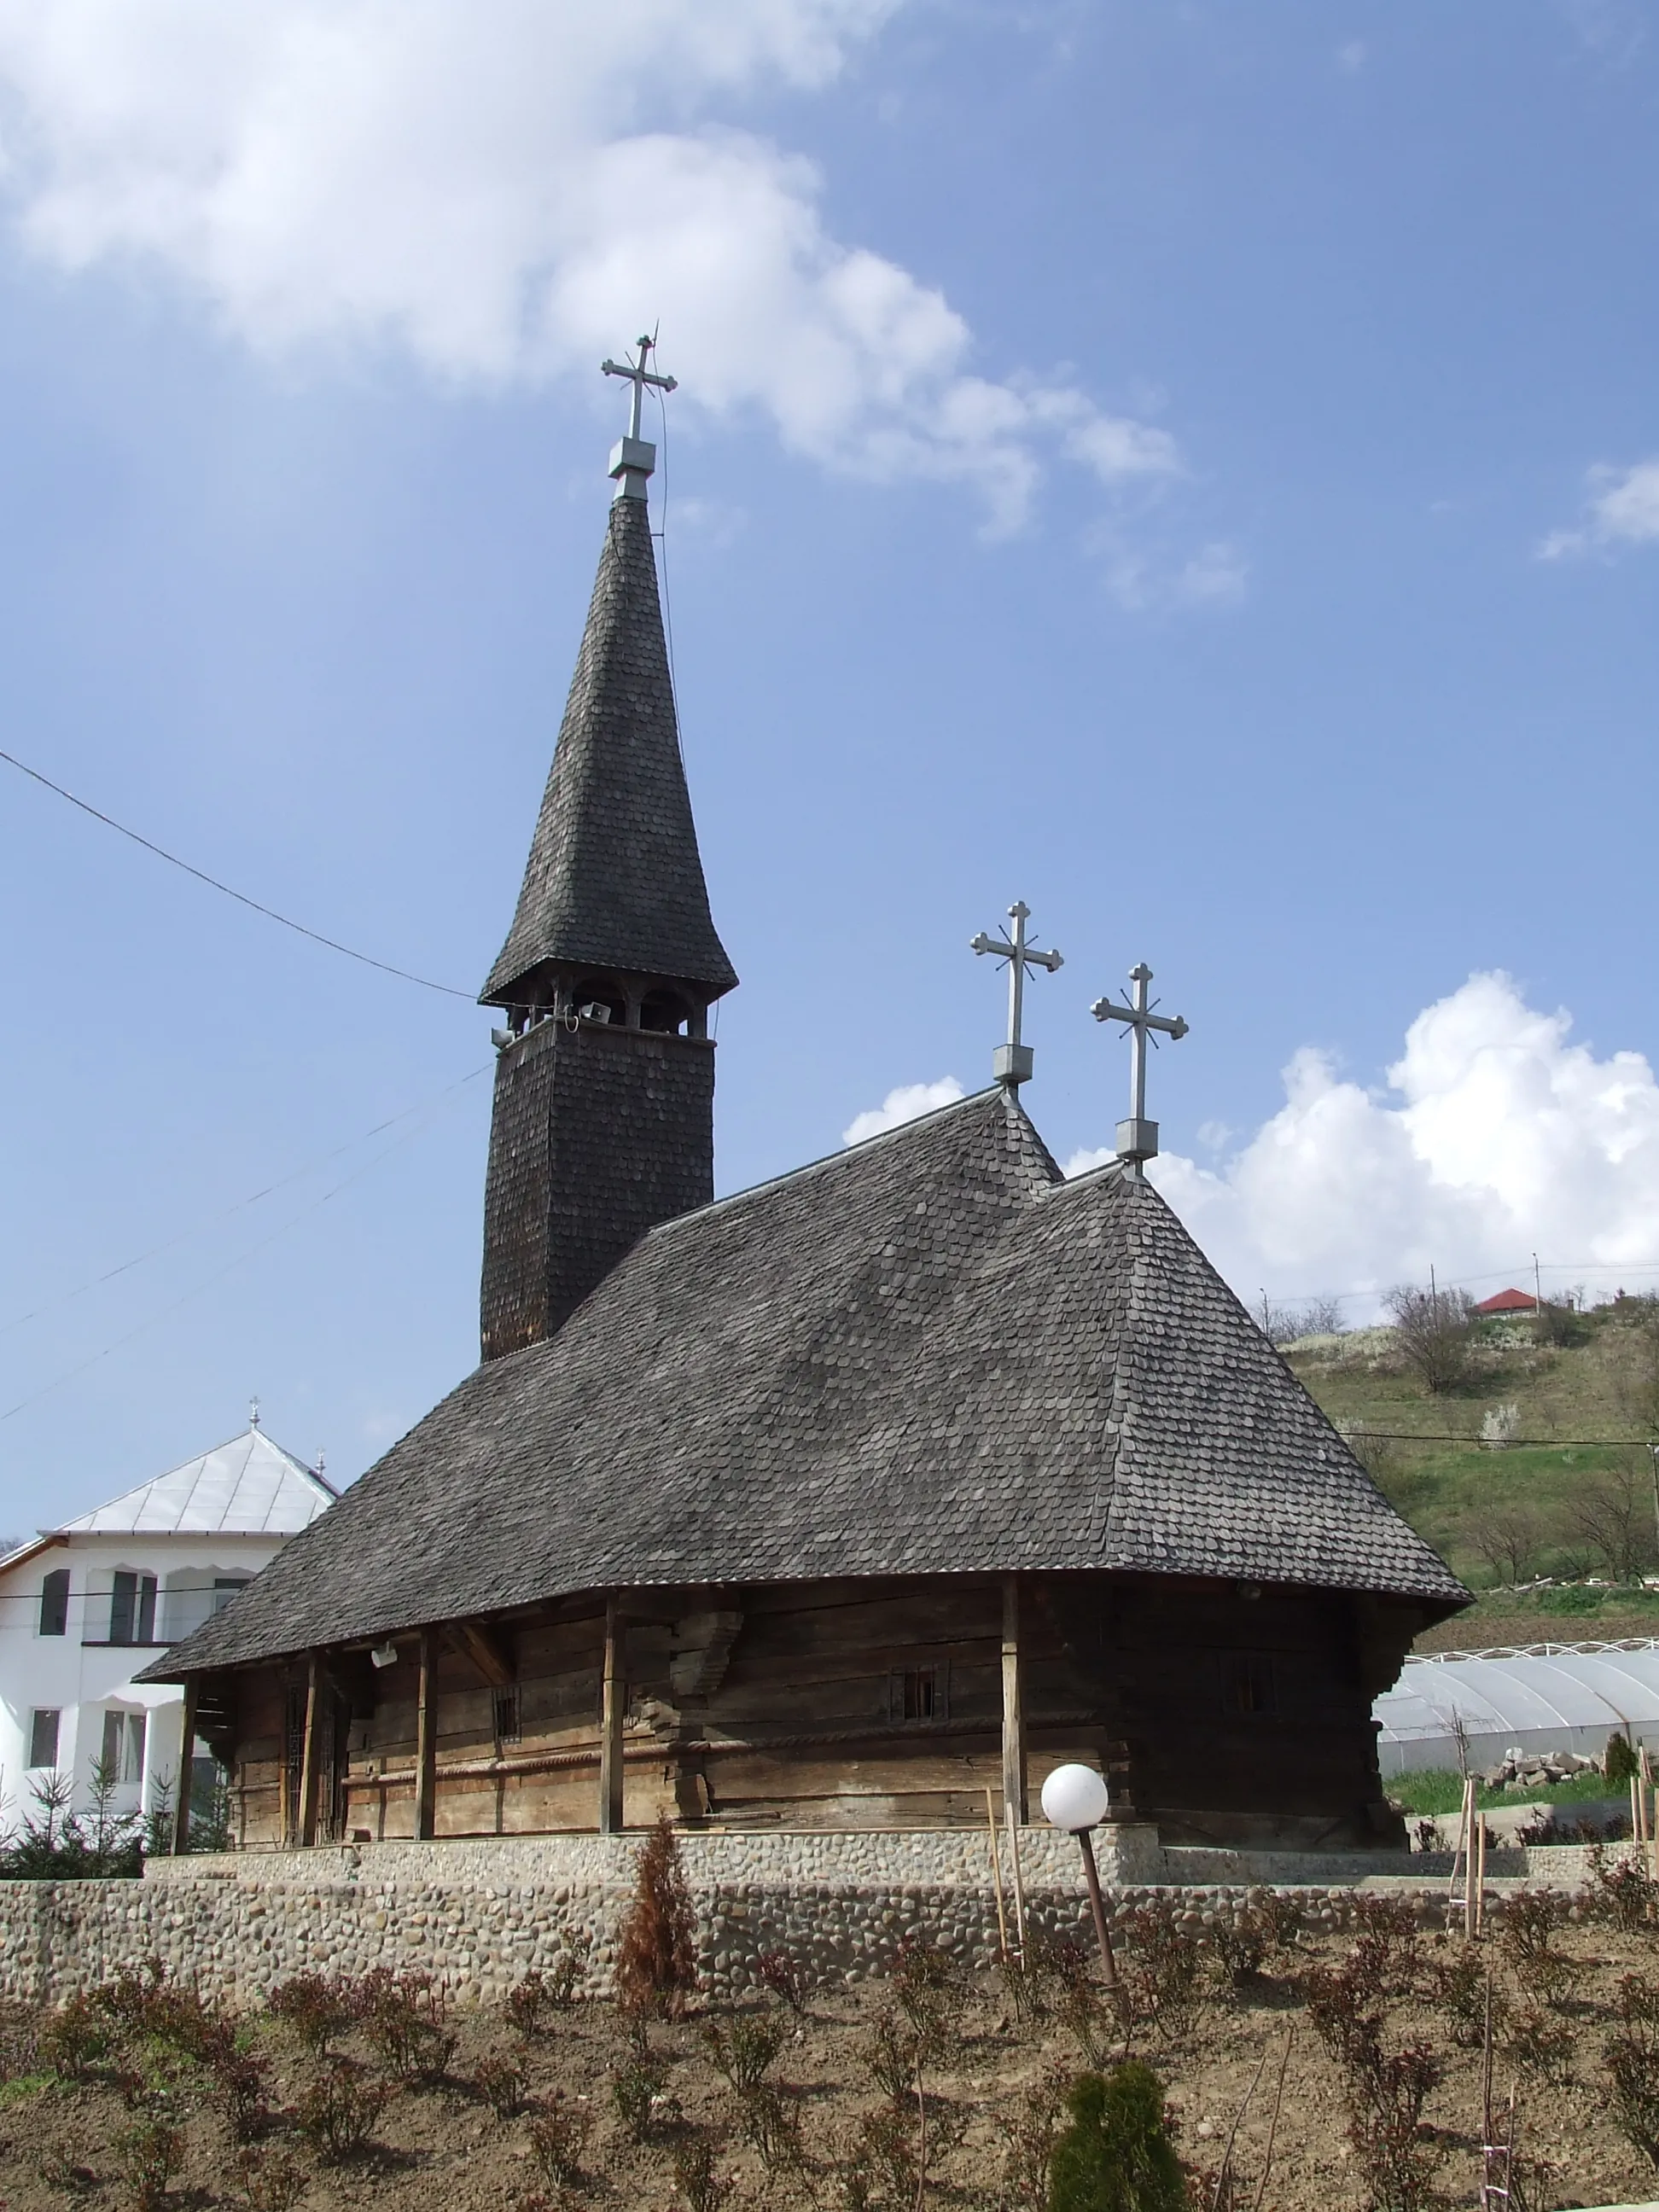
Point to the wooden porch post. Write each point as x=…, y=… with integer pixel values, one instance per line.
x=186, y=1745
x=426, y=1738
x=1013, y=1705
x=309, y=1762
x=610, y=1723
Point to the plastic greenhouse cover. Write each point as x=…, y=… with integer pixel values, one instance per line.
x=1549, y=1697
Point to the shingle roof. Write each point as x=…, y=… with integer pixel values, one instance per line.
x=247, y=1487
x=613, y=878
x=928, y=1355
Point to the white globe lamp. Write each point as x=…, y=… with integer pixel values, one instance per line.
x=1076, y=1797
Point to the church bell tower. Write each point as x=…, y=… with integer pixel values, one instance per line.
x=603, y=1123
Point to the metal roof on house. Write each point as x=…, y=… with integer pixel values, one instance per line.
x=928, y=1355
x=247, y=1487
x=614, y=879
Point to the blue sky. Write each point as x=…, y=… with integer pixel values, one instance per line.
x=1195, y=469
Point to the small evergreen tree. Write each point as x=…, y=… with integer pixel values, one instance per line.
x=1621, y=1764
x=656, y=1955
x=1116, y=2156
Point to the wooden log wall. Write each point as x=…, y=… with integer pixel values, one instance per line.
x=1225, y=1717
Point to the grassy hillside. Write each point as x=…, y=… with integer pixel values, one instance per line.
x=1572, y=1496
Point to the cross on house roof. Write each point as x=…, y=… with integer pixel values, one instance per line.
x=633, y=458
x=1137, y=1138
x=1011, y=1063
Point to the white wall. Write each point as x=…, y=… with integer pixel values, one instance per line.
x=83, y=1675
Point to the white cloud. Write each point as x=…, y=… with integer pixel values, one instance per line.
x=1350, y=58
x=1142, y=582
x=1623, y=510
x=1497, y=1137
x=508, y=192
x=908, y=1100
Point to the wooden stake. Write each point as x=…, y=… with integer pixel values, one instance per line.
x=426, y=1740
x=186, y=1745
x=1481, y=1874
x=1469, y=1891
x=1020, y=1886
x=611, y=1723
x=996, y=1874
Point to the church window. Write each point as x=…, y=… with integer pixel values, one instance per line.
x=54, y=1603
x=43, y=1737
x=133, y=1609
x=919, y=1693
x=1249, y=1681
x=507, y=1713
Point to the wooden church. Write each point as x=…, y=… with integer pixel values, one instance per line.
x=824, y=1505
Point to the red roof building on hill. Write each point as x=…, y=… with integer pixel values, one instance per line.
x=1509, y=1301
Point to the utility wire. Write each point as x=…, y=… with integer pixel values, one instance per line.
x=218, y=1275
x=225, y=1213
x=1509, y=1443
x=241, y=898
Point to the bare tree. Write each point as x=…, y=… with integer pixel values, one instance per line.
x=1508, y=1538
x=1636, y=1370
x=1314, y=1317
x=1613, y=1512
x=1434, y=1330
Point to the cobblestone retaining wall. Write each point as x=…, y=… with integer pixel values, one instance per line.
x=480, y=1915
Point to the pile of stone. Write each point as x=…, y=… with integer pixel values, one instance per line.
x=1526, y=1771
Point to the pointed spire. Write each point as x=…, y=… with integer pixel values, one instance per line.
x=613, y=878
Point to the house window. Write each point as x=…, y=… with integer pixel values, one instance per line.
x=54, y=1603
x=133, y=1609
x=1248, y=1679
x=919, y=1693
x=225, y=1588
x=43, y=1737
x=123, y=1746
x=507, y=1715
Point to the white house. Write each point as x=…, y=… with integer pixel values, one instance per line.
x=84, y=1606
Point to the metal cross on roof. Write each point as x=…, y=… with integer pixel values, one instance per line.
x=1137, y=1138
x=1011, y=1062
x=633, y=458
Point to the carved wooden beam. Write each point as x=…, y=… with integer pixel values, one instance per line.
x=426, y=1738
x=1013, y=1704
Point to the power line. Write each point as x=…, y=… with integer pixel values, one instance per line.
x=241, y=898
x=208, y=1281
x=225, y=1213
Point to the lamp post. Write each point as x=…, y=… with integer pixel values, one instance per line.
x=1075, y=1797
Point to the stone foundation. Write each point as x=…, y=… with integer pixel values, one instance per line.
x=480, y=1914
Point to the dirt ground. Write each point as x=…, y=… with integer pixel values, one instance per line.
x=438, y=2145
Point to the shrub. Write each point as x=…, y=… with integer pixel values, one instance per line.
x=892, y=2057
x=754, y=2043
x=315, y=2009
x=75, y=2039
x=150, y=2152
x=1164, y=1969
x=336, y=2114
x=1541, y=2044
x=1529, y=1921
x=771, y=2123
x=927, y=1990
x=403, y=2016
x=884, y=2154
x=557, y=2135
x=1116, y=2156
x=1621, y=1891
x=1240, y=1945
x=1028, y=2140
x=271, y=2181
x=1630, y=2055
x=500, y=2080
x=636, y=2081
x=656, y=1960
x=1081, y=2004
x=697, y=2178
x=527, y=2001
x=1620, y=1763
x=1459, y=1985
x=241, y=2078
x=784, y=1976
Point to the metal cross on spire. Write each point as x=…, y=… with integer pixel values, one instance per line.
x=1137, y=1138
x=633, y=458
x=1011, y=1062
